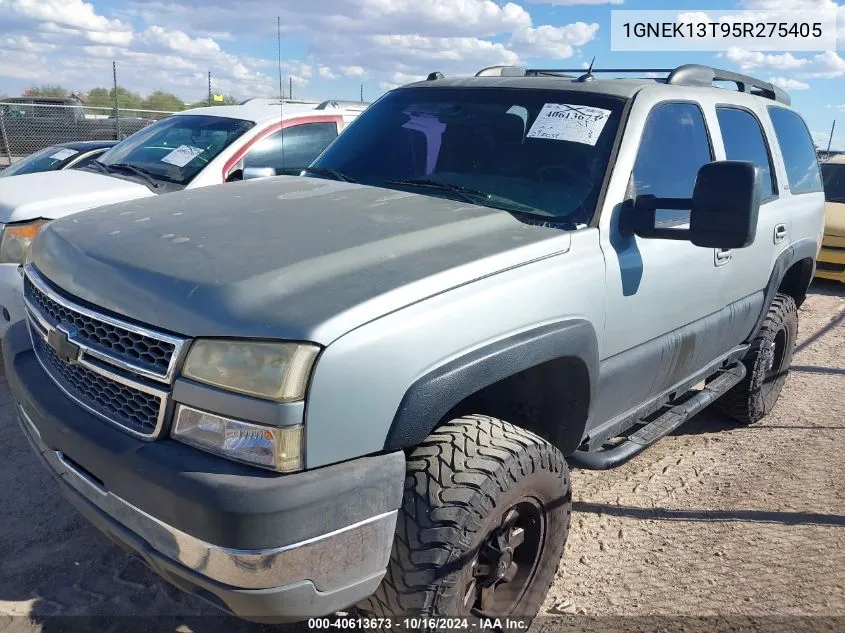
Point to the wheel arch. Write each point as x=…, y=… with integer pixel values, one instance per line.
x=791, y=275
x=543, y=379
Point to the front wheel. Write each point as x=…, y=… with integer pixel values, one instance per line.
x=767, y=365
x=483, y=524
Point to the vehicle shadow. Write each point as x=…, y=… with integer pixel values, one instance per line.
x=753, y=516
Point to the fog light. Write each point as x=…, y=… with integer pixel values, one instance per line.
x=278, y=448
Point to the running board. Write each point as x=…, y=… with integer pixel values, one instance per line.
x=662, y=426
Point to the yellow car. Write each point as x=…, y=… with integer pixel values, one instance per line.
x=831, y=261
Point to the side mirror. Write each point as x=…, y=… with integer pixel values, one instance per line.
x=723, y=209
x=251, y=173
x=235, y=175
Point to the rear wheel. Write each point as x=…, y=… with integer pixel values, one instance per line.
x=767, y=363
x=483, y=524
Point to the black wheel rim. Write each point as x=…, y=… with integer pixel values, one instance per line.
x=774, y=360
x=507, y=561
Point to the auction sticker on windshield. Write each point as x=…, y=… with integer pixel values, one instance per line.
x=567, y=122
x=182, y=155
x=63, y=153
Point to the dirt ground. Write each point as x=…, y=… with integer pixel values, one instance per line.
x=716, y=526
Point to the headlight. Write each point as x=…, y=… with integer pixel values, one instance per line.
x=277, y=448
x=17, y=239
x=275, y=371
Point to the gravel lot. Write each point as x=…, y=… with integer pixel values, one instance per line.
x=727, y=527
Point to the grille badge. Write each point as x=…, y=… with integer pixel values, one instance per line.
x=59, y=339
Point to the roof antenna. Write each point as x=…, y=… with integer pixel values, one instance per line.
x=281, y=91
x=588, y=76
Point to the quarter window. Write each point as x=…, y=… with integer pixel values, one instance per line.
x=674, y=146
x=799, y=153
x=743, y=139
x=296, y=146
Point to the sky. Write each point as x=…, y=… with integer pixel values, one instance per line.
x=331, y=47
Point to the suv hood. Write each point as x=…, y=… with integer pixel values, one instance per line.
x=287, y=257
x=54, y=194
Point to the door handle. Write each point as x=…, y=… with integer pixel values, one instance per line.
x=780, y=233
x=722, y=256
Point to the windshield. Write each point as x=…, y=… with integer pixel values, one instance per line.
x=540, y=152
x=176, y=149
x=834, y=182
x=46, y=159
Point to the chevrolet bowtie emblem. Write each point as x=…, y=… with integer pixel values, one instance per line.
x=61, y=344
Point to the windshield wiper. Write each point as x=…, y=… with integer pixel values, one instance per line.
x=467, y=194
x=100, y=166
x=138, y=172
x=334, y=173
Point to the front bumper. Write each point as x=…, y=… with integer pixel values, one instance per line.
x=317, y=556
x=831, y=259
x=11, y=296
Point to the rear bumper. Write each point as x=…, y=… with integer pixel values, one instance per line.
x=831, y=260
x=259, y=545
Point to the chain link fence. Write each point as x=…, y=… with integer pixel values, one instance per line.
x=28, y=125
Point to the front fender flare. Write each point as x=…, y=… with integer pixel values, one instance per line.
x=433, y=395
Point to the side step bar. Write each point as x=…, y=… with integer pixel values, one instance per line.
x=662, y=426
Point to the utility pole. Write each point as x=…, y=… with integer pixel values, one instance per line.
x=209, y=87
x=290, y=87
x=116, y=106
x=362, y=93
x=830, y=140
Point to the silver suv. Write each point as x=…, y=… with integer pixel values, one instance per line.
x=364, y=387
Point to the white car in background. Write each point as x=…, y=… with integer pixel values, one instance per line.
x=194, y=148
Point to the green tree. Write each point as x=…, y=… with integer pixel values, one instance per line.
x=160, y=100
x=46, y=90
x=99, y=98
x=227, y=100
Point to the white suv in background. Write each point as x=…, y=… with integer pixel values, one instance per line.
x=194, y=148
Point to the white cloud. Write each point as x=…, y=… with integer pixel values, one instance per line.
x=827, y=65
x=159, y=38
x=789, y=84
x=574, y=2
x=326, y=73
x=553, y=41
x=171, y=45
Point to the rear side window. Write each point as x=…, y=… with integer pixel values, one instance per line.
x=674, y=146
x=799, y=153
x=743, y=139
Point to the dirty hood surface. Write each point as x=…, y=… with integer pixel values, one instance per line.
x=54, y=194
x=294, y=258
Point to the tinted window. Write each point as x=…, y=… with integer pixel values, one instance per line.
x=743, y=139
x=834, y=181
x=485, y=141
x=799, y=153
x=296, y=146
x=673, y=148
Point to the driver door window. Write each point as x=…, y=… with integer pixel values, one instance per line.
x=295, y=146
x=674, y=146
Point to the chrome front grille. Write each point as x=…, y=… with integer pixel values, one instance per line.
x=124, y=405
x=119, y=371
x=130, y=347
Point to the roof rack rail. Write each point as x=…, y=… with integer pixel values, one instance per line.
x=686, y=75
x=336, y=103
x=697, y=75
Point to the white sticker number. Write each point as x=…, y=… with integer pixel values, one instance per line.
x=62, y=154
x=567, y=122
x=182, y=155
